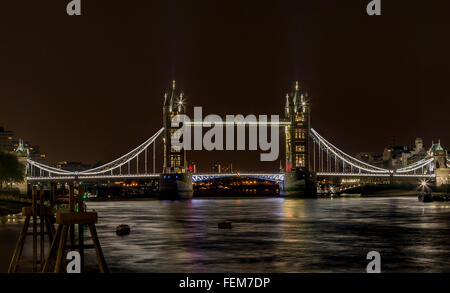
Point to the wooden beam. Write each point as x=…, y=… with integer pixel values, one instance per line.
x=76, y=218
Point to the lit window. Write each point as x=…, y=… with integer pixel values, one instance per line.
x=300, y=133
x=300, y=160
x=300, y=148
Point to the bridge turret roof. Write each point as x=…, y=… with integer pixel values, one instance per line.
x=166, y=101
x=297, y=95
x=21, y=148
x=172, y=95
x=172, y=98
x=286, y=108
x=181, y=103
x=435, y=147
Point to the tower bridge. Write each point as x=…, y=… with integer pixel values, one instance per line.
x=308, y=156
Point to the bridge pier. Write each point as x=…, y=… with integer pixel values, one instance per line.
x=299, y=184
x=442, y=176
x=175, y=186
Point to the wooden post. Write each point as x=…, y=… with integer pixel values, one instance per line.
x=72, y=209
x=52, y=250
x=71, y=198
x=80, y=199
x=52, y=193
x=41, y=222
x=98, y=249
x=62, y=243
x=81, y=226
x=81, y=245
x=19, y=247
x=34, y=208
x=50, y=229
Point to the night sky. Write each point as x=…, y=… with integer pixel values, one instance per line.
x=90, y=88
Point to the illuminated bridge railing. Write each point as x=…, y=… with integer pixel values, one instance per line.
x=94, y=177
x=357, y=175
x=195, y=178
x=269, y=177
x=328, y=160
x=134, y=164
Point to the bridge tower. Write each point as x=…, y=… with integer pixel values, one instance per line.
x=175, y=182
x=297, y=112
x=174, y=160
x=299, y=180
x=440, y=158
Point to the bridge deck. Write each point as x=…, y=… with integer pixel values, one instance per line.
x=202, y=177
x=95, y=177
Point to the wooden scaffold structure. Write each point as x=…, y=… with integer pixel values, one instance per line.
x=76, y=217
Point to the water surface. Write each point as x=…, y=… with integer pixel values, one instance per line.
x=276, y=235
x=268, y=235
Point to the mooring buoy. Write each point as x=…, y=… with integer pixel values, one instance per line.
x=225, y=225
x=122, y=230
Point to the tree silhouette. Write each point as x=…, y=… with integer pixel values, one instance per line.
x=11, y=170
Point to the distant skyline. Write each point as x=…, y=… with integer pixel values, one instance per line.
x=91, y=88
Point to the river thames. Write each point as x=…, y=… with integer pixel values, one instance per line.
x=269, y=235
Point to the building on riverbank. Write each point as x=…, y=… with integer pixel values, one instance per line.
x=395, y=156
x=6, y=140
x=8, y=144
x=22, y=153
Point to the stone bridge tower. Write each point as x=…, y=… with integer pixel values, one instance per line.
x=299, y=181
x=297, y=112
x=442, y=168
x=174, y=160
x=175, y=182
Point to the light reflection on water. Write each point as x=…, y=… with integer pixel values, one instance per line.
x=275, y=235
